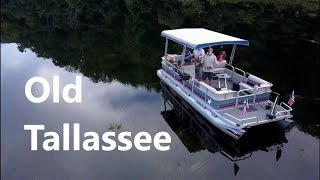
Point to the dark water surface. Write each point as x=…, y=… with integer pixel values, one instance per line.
x=116, y=47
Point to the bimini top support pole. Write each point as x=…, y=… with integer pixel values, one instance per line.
x=232, y=53
x=166, y=48
x=183, y=51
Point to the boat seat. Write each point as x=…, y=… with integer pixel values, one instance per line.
x=245, y=86
x=255, y=82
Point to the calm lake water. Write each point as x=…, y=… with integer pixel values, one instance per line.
x=116, y=47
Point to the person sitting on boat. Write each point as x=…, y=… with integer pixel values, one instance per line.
x=187, y=56
x=208, y=63
x=197, y=55
x=222, y=56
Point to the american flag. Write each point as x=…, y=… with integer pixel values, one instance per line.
x=291, y=99
x=245, y=107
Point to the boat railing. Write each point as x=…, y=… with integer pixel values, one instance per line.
x=178, y=69
x=232, y=69
x=226, y=94
x=286, y=110
x=175, y=68
x=245, y=120
x=206, y=106
x=246, y=95
x=242, y=71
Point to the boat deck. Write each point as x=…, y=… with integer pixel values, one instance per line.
x=256, y=114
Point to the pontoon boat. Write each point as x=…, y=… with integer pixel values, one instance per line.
x=223, y=101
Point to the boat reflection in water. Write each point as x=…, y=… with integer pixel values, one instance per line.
x=197, y=134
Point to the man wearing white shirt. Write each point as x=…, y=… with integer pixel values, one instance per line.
x=208, y=62
x=197, y=54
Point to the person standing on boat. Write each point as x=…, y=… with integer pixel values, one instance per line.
x=208, y=63
x=187, y=56
x=197, y=55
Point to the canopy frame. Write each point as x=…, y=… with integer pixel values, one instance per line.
x=232, y=53
x=185, y=38
x=196, y=38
